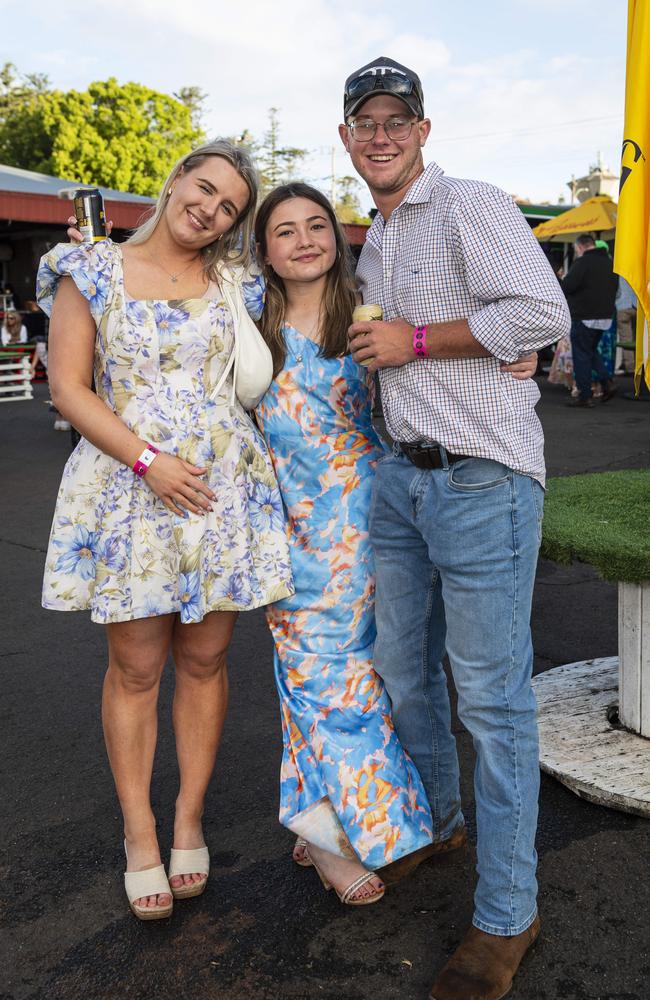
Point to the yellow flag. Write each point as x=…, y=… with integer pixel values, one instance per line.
x=632, y=253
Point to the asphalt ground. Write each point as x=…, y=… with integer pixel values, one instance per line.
x=265, y=929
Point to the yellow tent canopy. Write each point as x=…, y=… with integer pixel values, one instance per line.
x=593, y=215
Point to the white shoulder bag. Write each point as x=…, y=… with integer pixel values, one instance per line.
x=251, y=359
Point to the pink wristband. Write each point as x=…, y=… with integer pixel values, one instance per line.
x=144, y=460
x=420, y=341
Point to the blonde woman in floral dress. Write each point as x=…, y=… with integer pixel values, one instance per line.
x=163, y=544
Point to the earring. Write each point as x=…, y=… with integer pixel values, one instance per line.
x=169, y=192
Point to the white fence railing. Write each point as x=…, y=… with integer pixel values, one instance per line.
x=15, y=380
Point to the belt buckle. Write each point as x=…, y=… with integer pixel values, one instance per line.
x=424, y=456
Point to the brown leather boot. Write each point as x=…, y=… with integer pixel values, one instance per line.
x=483, y=966
x=397, y=870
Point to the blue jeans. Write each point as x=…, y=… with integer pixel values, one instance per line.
x=586, y=359
x=455, y=556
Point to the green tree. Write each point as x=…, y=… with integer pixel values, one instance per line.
x=23, y=142
x=347, y=205
x=194, y=99
x=124, y=136
x=277, y=164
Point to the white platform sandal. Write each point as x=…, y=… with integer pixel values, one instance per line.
x=184, y=863
x=149, y=882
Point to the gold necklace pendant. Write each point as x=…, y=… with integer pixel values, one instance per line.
x=172, y=277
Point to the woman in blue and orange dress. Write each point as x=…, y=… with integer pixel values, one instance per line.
x=348, y=790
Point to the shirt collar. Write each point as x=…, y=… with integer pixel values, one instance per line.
x=419, y=193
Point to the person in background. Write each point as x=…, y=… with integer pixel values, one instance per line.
x=13, y=329
x=590, y=289
x=40, y=356
x=626, y=306
x=8, y=297
x=607, y=343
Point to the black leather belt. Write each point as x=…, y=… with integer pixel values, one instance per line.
x=428, y=456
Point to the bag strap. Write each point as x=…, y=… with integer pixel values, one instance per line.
x=233, y=299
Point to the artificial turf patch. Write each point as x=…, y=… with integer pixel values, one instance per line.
x=602, y=519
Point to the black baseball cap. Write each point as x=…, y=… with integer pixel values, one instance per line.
x=383, y=76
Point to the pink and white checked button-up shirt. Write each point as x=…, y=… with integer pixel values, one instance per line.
x=461, y=249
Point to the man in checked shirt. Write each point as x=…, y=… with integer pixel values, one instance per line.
x=457, y=508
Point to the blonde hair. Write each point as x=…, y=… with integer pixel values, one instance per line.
x=14, y=316
x=234, y=247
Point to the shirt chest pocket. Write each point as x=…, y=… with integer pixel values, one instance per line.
x=417, y=288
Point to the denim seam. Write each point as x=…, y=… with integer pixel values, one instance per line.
x=415, y=493
x=539, y=509
x=513, y=646
x=424, y=666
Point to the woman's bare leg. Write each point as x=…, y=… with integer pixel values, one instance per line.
x=137, y=651
x=200, y=704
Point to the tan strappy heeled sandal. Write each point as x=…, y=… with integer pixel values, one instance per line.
x=346, y=896
x=306, y=861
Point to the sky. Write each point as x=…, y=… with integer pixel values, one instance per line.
x=521, y=93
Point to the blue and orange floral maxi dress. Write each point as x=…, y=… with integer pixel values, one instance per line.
x=343, y=769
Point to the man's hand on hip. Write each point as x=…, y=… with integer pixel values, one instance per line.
x=381, y=344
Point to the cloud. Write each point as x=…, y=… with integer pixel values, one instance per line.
x=251, y=56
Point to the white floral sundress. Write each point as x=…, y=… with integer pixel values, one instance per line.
x=114, y=547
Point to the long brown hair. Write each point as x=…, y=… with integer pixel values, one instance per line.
x=339, y=298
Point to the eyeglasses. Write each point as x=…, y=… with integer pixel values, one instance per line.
x=382, y=79
x=395, y=128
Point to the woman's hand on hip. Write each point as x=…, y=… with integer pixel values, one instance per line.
x=525, y=367
x=179, y=485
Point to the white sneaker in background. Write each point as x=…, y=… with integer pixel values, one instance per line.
x=61, y=425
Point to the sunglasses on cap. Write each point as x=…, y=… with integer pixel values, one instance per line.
x=384, y=79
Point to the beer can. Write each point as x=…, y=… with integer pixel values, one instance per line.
x=89, y=210
x=365, y=314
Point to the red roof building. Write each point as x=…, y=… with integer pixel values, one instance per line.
x=33, y=212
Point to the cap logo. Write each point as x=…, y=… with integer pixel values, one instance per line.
x=382, y=70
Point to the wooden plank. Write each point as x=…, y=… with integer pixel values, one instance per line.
x=629, y=651
x=571, y=751
x=645, y=659
x=578, y=746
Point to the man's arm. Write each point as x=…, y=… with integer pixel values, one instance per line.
x=574, y=278
x=380, y=344
x=524, y=307
x=388, y=345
